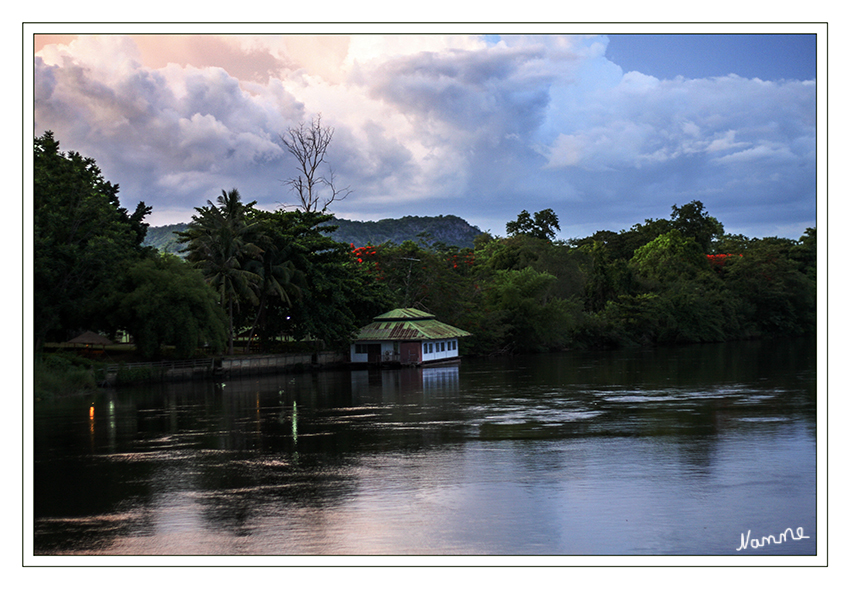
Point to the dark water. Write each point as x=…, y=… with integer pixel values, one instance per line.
x=646, y=452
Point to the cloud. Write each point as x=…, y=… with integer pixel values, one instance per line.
x=427, y=125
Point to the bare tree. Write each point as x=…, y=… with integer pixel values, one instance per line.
x=309, y=144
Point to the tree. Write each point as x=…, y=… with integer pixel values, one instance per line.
x=805, y=252
x=670, y=257
x=165, y=301
x=336, y=297
x=281, y=279
x=220, y=242
x=692, y=220
x=543, y=225
x=83, y=241
x=777, y=296
x=533, y=319
x=309, y=145
x=607, y=276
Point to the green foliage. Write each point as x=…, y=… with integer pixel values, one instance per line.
x=165, y=301
x=542, y=226
x=165, y=239
x=534, y=320
x=688, y=312
x=621, y=246
x=690, y=220
x=670, y=257
x=776, y=295
x=606, y=275
x=698, y=313
x=512, y=253
x=125, y=376
x=647, y=286
x=733, y=244
x=804, y=253
x=220, y=241
x=635, y=319
x=62, y=374
x=693, y=221
x=272, y=274
x=446, y=229
x=336, y=297
x=280, y=270
x=83, y=241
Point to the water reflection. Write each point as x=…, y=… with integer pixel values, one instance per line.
x=639, y=452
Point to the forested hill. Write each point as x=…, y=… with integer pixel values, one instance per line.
x=164, y=239
x=446, y=229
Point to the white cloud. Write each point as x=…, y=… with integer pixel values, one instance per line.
x=778, y=154
x=424, y=124
x=724, y=142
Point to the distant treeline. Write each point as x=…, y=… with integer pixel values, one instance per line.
x=664, y=281
x=260, y=275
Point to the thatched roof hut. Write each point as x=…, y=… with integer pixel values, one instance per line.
x=90, y=338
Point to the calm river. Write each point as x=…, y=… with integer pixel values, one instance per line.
x=674, y=451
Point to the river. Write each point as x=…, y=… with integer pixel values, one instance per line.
x=694, y=450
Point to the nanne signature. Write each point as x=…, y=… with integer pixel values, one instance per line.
x=783, y=537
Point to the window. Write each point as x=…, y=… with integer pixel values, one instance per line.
x=360, y=349
x=442, y=346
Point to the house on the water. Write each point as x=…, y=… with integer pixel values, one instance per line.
x=406, y=336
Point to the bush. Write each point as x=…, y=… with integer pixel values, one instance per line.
x=132, y=375
x=61, y=374
x=166, y=302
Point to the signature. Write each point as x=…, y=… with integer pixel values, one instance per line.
x=783, y=537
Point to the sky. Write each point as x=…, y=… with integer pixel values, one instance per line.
x=606, y=130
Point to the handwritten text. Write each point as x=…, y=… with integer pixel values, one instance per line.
x=783, y=537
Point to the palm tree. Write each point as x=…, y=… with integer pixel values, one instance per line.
x=221, y=242
x=280, y=276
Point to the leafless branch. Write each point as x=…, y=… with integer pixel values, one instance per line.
x=309, y=145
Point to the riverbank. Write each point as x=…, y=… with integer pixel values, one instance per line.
x=219, y=367
x=66, y=373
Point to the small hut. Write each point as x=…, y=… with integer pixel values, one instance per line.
x=408, y=337
x=88, y=339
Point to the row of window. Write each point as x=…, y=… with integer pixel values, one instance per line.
x=430, y=348
x=427, y=347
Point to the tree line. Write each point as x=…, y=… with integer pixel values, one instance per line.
x=261, y=276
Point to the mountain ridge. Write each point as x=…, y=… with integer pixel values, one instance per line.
x=448, y=229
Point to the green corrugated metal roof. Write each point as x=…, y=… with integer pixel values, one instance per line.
x=408, y=324
x=404, y=314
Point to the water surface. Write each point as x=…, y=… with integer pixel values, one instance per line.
x=640, y=452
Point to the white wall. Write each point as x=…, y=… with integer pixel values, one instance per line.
x=431, y=350
x=439, y=350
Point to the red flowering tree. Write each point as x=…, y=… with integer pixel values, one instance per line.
x=367, y=257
